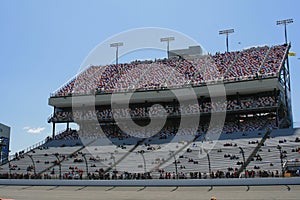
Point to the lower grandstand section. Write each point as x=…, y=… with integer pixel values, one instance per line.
x=64, y=157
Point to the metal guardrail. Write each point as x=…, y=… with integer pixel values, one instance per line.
x=28, y=149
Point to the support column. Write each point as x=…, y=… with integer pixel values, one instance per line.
x=289, y=106
x=285, y=74
x=53, y=123
x=277, y=105
x=53, y=129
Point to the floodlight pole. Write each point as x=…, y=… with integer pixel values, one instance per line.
x=117, y=45
x=285, y=22
x=227, y=32
x=227, y=49
x=168, y=40
x=285, y=34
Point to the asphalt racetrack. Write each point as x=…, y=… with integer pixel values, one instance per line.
x=149, y=193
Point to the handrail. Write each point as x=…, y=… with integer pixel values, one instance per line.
x=231, y=64
x=264, y=61
x=28, y=149
x=254, y=152
x=284, y=56
x=69, y=81
x=173, y=72
x=61, y=161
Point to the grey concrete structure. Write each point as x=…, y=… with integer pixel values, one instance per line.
x=4, y=142
x=191, y=51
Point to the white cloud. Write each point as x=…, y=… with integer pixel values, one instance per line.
x=26, y=128
x=34, y=130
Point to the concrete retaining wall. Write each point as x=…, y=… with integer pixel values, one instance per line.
x=153, y=183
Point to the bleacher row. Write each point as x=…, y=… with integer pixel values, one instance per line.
x=247, y=64
x=105, y=161
x=92, y=130
x=170, y=109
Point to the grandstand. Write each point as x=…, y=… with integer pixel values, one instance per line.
x=256, y=138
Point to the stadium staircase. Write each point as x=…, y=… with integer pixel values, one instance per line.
x=265, y=58
x=125, y=155
x=61, y=161
x=176, y=69
x=254, y=152
x=175, y=153
x=230, y=66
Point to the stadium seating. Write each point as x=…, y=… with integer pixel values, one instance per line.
x=177, y=72
x=191, y=159
x=174, y=110
x=100, y=156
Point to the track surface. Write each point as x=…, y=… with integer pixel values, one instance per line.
x=149, y=193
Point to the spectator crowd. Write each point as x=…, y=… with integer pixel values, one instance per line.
x=177, y=72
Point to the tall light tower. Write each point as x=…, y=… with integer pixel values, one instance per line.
x=284, y=22
x=168, y=40
x=286, y=72
x=227, y=32
x=117, y=45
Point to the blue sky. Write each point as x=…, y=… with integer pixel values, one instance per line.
x=44, y=42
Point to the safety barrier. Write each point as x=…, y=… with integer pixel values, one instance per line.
x=157, y=183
